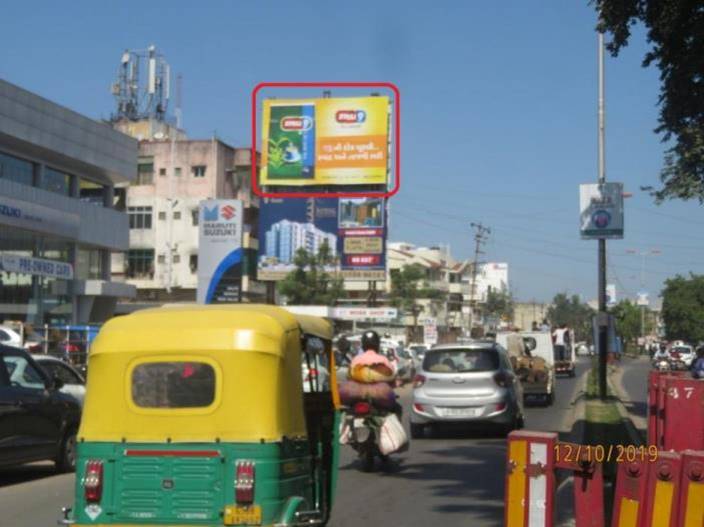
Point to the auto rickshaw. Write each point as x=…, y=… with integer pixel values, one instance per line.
x=197, y=416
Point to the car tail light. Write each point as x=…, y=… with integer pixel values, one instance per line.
x=93, y=481
x=244, y=482
x=418, y=407
x=418, y=381
x=72, y=348
x=500, y=407
x=362, y=408
x=34, y=348
x=503, y=379
x=312, y=374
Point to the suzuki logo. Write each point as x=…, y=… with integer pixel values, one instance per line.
x=228, y=212
x=210, y=214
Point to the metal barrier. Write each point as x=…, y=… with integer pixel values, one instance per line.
x=653, y=488
x=675, y=411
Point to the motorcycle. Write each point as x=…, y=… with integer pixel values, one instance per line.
x=372, y=433
x=662, y=364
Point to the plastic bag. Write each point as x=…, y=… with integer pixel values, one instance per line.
x=392, y=436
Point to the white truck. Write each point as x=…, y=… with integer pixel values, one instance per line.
x=532, y=355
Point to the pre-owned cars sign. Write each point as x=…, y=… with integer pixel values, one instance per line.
x=220, y=251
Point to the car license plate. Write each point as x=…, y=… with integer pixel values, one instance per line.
x=460, y=411
x=243, y=515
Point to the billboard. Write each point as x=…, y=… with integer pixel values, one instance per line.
x=601, y=210
x=220, y=251
x=354, y=232
x=330, y=141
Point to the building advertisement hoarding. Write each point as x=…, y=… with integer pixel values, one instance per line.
x=220, y=251
x=330, y=141
x=287, y=225
x=601, y=210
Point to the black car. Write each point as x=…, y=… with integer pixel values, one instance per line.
x=37, y=421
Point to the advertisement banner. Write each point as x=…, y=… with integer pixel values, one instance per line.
x=330, y=141
x=430, y=331
x=357, y=243
x=601, y=211
x=220, y=251
x=362, y=234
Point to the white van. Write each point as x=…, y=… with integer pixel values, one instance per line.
x=536, y=344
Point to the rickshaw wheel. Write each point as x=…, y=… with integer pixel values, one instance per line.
x=66, y=460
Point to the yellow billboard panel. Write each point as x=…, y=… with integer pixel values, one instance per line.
x=341, y=141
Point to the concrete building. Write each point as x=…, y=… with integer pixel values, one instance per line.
x=285, y=238
x=173, y=177
x=527, y=313
x=58, y=225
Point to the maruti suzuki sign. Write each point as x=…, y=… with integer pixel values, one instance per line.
x=220, y=251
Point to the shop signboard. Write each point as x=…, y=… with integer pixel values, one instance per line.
x=328, y=141
x=601, y=211
x=365, y=313
x=17, y=263
x=220, y=251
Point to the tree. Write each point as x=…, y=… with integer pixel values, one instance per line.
x=628, y=318
x=309, y=283
x=572, y=312
x=676, y=35
x=408, y=285
x=499, y=304
x=683, y=308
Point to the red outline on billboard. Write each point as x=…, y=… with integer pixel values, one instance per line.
x=397, y=152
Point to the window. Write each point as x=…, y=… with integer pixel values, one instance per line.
x=162, y=171
x=60, y=371
x=140, y=217
x=198, y=170
x=460, y=360
x=161, y=259
x=22, y=373
x=162, y=215
x=90, y=192
x=145, y=171
x=177, y=171
x=89, y=264
x=140, y=263
x=176, y=258
x=193, y=263
x=4, y=336
x=194, y=217
x=56, y=181
x=177, y=215
x=17, y=170
x=173, y=385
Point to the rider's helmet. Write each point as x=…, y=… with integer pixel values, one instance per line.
x=371, y=341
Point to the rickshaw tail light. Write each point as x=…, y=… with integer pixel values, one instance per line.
x=93, y=481
x=244, y=482
x=362, y=408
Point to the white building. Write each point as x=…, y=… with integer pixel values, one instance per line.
x=285, y=238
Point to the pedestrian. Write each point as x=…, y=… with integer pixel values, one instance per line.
x=698, y=365
x=559, y=341
x=545, y=326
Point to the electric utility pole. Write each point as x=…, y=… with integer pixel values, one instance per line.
x=481, y=235
x=603, y=320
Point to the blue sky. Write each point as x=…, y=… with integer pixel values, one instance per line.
x=498, y=111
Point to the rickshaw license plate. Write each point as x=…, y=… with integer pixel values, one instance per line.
x=237, y=515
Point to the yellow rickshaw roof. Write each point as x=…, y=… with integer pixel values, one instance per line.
x=221, y=326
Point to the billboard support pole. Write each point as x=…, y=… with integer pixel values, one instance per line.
x=603, y=329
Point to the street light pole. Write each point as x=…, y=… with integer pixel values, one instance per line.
x=603, y=321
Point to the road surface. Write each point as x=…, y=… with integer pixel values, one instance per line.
x=451, y=479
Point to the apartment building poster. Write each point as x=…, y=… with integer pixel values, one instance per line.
x=220, y=251
x=330, y=141
x=353, y=230
x=288, y=225
x=362, y=235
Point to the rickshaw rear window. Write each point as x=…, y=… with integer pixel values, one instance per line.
x=173, y=385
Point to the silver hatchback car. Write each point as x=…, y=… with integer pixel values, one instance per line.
x=464, y=383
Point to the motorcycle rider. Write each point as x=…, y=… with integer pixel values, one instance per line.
x=372, y=342
x=698, y=365
x=661, y=353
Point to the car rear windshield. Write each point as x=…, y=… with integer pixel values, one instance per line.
x=460, y=360
x=173, y=385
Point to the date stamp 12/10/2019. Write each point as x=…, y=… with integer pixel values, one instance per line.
x=569, y=453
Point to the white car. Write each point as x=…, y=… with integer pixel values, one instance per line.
x=682, y=353
x=73, y=382
x=10, y=337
